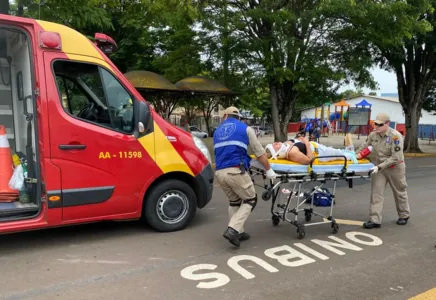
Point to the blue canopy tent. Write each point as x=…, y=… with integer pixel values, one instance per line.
x=364, y=103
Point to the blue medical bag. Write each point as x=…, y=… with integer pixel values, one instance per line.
x=322, y=198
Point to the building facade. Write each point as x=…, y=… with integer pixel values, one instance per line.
x=390, y=105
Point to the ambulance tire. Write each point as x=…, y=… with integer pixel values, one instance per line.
x=166, y=195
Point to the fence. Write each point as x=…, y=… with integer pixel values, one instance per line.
x=427, y=132
x=215, y=121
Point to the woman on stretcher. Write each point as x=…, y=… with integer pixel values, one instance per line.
x=301, y=151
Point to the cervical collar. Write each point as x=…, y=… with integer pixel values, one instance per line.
x=281, y=153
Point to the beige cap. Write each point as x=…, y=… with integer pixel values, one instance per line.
x=232, y=111
x=382, y=118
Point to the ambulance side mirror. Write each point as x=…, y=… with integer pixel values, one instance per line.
x=144, y=122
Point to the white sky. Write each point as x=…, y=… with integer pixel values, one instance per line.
x=387, y=82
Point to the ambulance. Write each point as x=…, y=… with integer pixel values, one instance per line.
x=78, y=143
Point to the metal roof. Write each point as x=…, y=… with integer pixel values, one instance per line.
x=150, y=81
x=202, y=84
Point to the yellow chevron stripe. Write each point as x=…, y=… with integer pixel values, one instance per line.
x=75, y=43
x=166, y=157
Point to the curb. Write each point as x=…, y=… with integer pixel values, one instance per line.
x=419, y=154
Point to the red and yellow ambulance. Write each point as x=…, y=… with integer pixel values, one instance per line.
x=84, y=143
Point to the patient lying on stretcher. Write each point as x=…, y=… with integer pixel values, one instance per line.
x=301, y=151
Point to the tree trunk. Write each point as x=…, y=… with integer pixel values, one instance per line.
x=411, y=95
x=20, y=12
x=4, y=7
x=412, y=114
x=282, y=102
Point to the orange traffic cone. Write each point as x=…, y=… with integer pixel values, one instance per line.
x=6, y=169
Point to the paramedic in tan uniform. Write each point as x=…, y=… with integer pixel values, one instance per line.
x=231, y=141
x=390, y=168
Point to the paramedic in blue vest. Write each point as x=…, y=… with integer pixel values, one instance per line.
x=231, y=141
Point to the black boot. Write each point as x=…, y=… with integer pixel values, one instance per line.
x=402, y=221
x=244, y=236
x=370, y=225
x=232, y=235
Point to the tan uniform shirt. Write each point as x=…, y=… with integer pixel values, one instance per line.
x=254, y=143
x=388, y=147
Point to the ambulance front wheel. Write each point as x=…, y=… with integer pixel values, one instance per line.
x=170, y=206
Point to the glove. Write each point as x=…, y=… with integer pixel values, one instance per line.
x=374, y=170
x=271, y=174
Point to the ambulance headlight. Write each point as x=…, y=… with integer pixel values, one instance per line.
x=203, y=148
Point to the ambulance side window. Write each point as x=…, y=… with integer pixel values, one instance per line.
x=91, y=93
x=120, y=102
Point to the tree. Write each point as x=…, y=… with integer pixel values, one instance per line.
x=82, y=15
x=287, y=43
x=430, y=99
x=190, y=107
x=207, y=104
x=350, y=94
x=401, y=37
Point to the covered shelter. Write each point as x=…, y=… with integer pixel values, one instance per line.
x=156, y=89
x=363, y=103
x=208, y=94
x=204, y=85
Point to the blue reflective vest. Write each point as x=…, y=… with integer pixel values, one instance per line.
x=231, y=144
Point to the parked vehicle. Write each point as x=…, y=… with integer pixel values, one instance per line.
x=197, y=132
x=93, y=148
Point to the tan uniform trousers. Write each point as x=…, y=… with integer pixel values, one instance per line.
x=396, y=177
x=237, y=187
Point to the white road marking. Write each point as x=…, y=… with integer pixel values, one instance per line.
x=291, y=255
x=352, y=237
x=220, y=279
x=88, y=261
x=285, y=255
x=157, y=258
x=331, y=246
x=233, y=263
x=311, y=251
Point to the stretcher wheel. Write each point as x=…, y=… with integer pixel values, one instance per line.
x=335, y=227
x=308, y=216
x=266, y=195
x=301, y=233
x=275, y=220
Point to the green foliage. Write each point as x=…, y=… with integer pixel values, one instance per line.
x=79, y=14
x=398, y=36
x=430, y=99
x=350, y=94
x=278, y=56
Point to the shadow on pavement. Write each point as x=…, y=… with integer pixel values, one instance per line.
x=82, y=234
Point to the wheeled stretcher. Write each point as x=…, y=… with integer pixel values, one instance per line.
x=297, y=175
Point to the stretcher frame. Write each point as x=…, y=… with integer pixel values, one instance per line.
x=280, y=211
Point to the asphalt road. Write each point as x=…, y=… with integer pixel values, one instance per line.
x=129, y=261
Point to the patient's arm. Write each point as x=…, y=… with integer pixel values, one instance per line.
x=257, y=148
x=296, y=156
